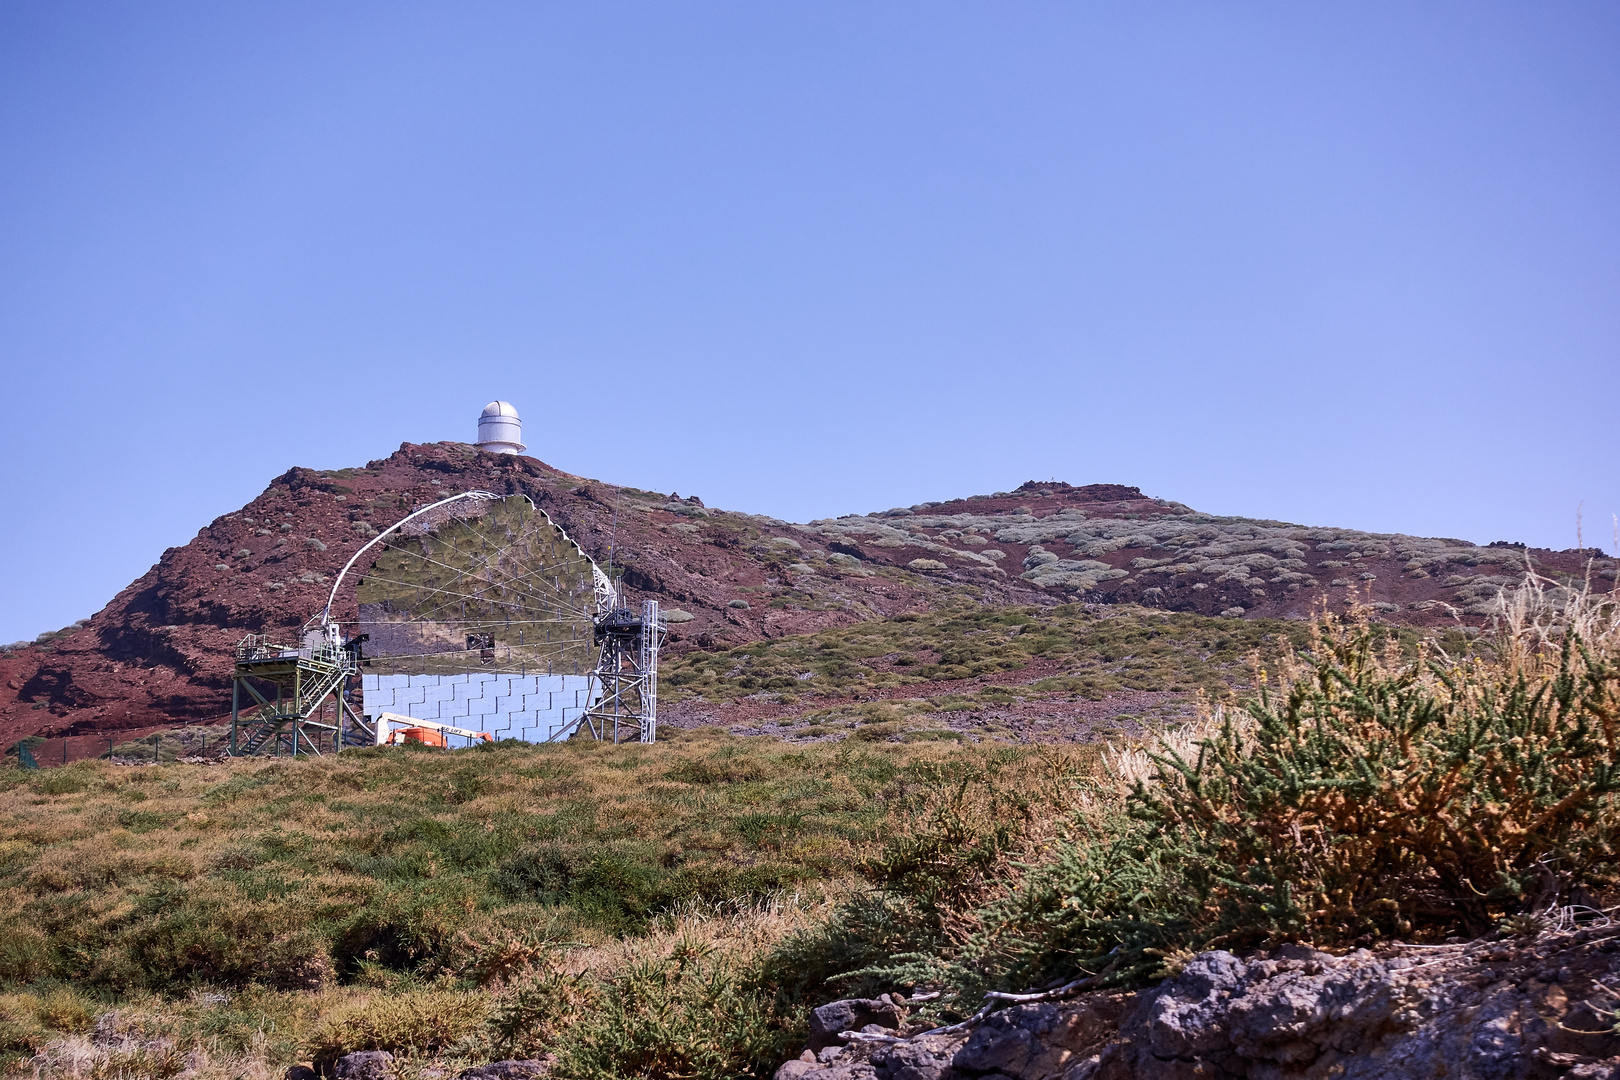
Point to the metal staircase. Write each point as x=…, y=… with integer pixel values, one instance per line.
x=292, y=699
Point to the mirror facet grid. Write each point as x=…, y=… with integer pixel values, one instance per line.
x=479, y=615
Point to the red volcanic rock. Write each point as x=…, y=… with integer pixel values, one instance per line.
x=162, y=650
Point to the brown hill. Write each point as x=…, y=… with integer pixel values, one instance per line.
x=161, y=651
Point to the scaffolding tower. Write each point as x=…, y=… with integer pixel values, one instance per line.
x=493, y=571
x=293, y=699
x=625, y=690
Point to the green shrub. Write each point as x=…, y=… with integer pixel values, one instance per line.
x=178, y=935
x=732, y=769
x=540, y=874
x=1376, y=792
x=607, y=887
x=24, y=952
x=63, y=1010
x=692, y=1015
x=300, y=960
x=413, y=1022
x=528, y=1017
x=620, y=890
x=961, y=828
x=65, y=781
x=406, y=926
x=21, y=1036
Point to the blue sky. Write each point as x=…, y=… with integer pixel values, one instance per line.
x=1351, y=264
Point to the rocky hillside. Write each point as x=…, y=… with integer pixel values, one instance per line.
x=1520, y=1007
x=161, y=650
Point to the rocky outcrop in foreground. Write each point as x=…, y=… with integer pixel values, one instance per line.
x=380, y=1065
x=1476, y=1011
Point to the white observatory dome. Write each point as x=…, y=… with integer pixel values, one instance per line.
x=500, y=430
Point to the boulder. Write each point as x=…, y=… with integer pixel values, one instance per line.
x=926, y=1058
x=796, y=1069
x=364, y=1065
x=527, y=1069
x=852, y=1014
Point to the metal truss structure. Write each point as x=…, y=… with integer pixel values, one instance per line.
x=627, y=673
x=293, y=699
x=476, y=606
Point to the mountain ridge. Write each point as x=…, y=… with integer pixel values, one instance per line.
x=161, y=650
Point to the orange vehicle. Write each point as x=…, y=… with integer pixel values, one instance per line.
x=422, y=732
x=425, y=736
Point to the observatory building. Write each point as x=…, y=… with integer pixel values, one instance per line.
x=500, y=430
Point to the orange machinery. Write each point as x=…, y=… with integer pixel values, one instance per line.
x=425, y=732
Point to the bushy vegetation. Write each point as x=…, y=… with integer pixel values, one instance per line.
x=1174, y=540
x=309, y=895
x=45, y=641
x=1368, y=791
x=1100, y=651
x=675, y=910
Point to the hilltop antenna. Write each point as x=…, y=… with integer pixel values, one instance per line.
x=613, y=533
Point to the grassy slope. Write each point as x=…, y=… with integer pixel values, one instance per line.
x=309, y=892
x=1088, y=652
x=125, y=882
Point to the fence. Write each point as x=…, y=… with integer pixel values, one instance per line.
x=135, y=745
